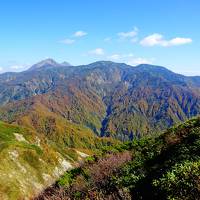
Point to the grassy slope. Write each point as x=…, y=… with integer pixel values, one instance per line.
x=24, y=162
x=30, y=160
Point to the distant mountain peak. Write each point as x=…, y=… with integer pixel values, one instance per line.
x=49, y=62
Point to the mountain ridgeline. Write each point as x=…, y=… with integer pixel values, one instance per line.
x=111, y=99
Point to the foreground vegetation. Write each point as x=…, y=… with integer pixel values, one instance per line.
x=30, y=160
x=166, y=166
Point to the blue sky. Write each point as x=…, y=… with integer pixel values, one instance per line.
x=160, y=32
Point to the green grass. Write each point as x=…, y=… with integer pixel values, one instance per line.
x=23, y=163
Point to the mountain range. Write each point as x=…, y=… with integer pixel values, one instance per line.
x=112, y=99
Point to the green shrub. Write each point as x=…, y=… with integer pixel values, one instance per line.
x=68, y=177
x=181, y=182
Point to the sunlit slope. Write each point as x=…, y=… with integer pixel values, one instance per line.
x=30, y=160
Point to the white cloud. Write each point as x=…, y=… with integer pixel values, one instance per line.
x=158, y=40
x=97, y=51
x=114, y=57
x=17, y=67
x=128, y=55
x=130, y=59
x=151, y=40
x=138, y=61
x=79, y=34
x=72, y=39
x=13, y=68
x=121, y=57
x=130, y=34
x=67, y=41
x=180, y=41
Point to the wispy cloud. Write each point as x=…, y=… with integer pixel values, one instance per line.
x=14, y=67
x=72, y=39
x=79, y=34
x=117, y=57
x=67, y=41
x=107, y=39
x=97, y=52
x=130, y=59
x=129, y=34
x=139, y=60
x=114, y=57
x=158, y=40
x=18, y=67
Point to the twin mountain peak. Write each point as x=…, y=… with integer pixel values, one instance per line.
x=48, y=63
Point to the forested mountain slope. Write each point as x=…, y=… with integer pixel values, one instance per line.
x=111, y=99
